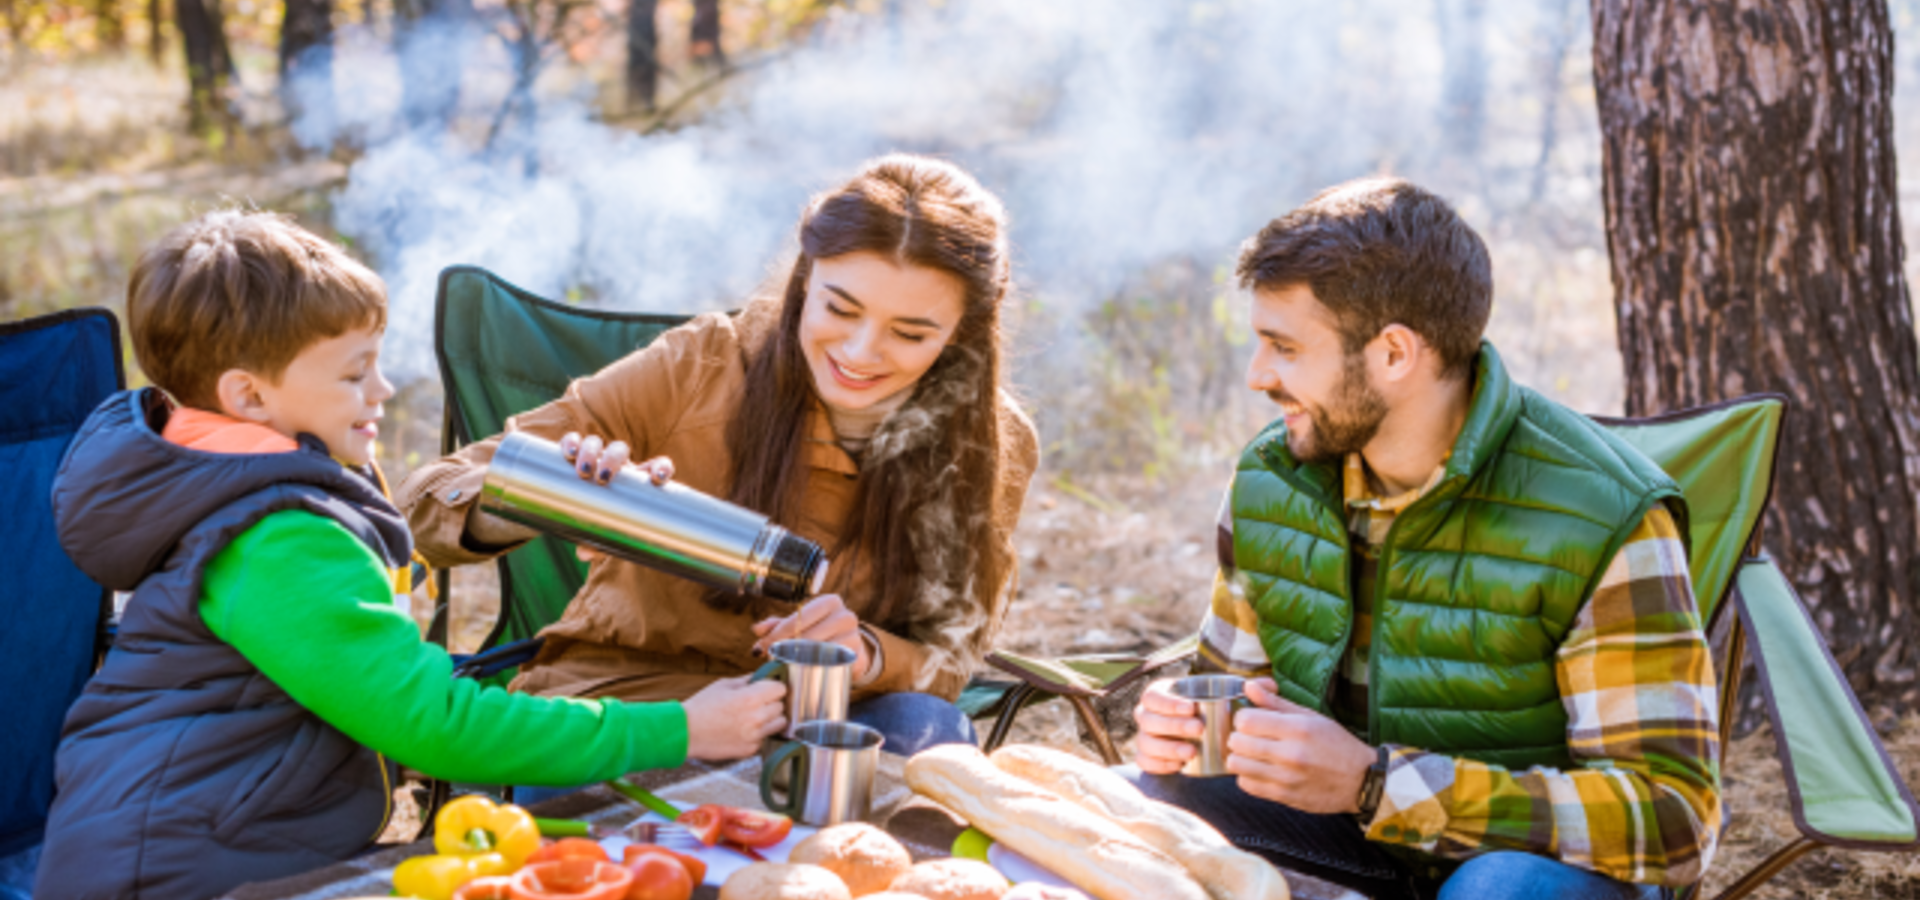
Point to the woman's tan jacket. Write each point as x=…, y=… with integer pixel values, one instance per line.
x=638, y=634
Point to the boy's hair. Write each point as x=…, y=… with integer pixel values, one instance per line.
x=1377, y=251
x=238, y=289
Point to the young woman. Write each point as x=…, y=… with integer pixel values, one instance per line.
x=860, y=408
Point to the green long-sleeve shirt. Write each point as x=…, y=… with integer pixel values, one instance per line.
x=312, y=607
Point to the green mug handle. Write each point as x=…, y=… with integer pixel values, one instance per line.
x=775, y=668
x=789, y=751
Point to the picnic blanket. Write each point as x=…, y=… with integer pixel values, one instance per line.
x=924, y=828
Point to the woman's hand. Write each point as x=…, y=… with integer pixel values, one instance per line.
x=728, y=718
x=824, y=618
x=597, y=462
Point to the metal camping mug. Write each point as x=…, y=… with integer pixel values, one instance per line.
x=829, y=768
x=819, y=677
x=669, y=526
x=1215, y=698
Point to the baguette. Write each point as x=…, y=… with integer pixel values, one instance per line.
x=1098, y=856
x=1227, y=872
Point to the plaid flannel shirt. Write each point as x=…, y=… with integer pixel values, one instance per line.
x=1636, y=678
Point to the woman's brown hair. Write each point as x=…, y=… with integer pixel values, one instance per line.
x=928, y=476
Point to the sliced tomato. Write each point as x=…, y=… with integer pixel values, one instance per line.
x=572, y=879
x=658, y=875
x=492, y=887
x=570, y=848
x=752, y=828
x=705, y=821
x=695, y=866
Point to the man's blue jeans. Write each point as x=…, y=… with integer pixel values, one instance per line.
x=1333, y=847
x=909, y=722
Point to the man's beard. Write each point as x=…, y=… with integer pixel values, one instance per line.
x=1346, y=424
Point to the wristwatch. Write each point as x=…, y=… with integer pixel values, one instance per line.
x=1371, y=785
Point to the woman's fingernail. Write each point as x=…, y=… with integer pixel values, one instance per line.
x=605, y=474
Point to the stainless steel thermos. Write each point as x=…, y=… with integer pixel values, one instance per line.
x=669, y=527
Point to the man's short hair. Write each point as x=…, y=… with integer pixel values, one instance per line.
x=1377, y=251
x=245, y=290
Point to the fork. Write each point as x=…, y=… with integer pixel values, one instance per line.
x=642, y=832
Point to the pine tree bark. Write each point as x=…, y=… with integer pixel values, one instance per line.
x=209, y=64
x=109, y=28
x=434, y=39
x=1463, y=88
x=306, y=57
x=156, y=37
x=703, y=38
x=643, y=55
x=1754, y=230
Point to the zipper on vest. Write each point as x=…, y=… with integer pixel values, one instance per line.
x=1338, y=511
x=386, y=782
x=1380, y=608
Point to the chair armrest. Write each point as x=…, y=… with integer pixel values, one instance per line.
x=1845, y=790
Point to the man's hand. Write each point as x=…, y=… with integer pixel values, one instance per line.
x=1168, y=727
x=1289, y=754
x=824, y=618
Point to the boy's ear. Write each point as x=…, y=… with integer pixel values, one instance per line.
x=240, y=397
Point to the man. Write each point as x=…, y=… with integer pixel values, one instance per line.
x=1477, y=667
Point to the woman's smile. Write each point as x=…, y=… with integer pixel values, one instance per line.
x=853, y=379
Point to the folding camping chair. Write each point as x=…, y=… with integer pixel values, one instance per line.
x=54, y=370
x=1844, y=789
x=503, y=351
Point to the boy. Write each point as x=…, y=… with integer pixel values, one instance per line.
x=262, y=680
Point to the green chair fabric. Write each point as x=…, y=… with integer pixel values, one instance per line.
x=1722, y=456
x=1844, y=788
x=503, y=351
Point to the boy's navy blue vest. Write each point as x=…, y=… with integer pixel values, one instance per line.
x=182, y=770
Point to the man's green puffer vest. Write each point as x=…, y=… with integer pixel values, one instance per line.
x=1478, y=581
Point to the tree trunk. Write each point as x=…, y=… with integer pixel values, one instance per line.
x=156, y=37
x=209, y=65
x=108, y=26
x=306, y=58
x=434, y=39
x=1463, y=90
x=1559, y=28
x=1754, y=229
x=643, y=60
x=703, y=39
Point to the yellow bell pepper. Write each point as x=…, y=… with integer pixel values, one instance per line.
x=475, y=825
x=437, y=877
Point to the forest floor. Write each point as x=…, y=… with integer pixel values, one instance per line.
x=1124, y=565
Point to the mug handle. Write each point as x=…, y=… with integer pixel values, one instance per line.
x=774, y=668
x=788, y=752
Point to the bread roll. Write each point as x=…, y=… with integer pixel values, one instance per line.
x=1034, y=890
x=1094, y=854
x=864, y=857
x=1227, y=872
x=781, y=881
x=952, y=879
